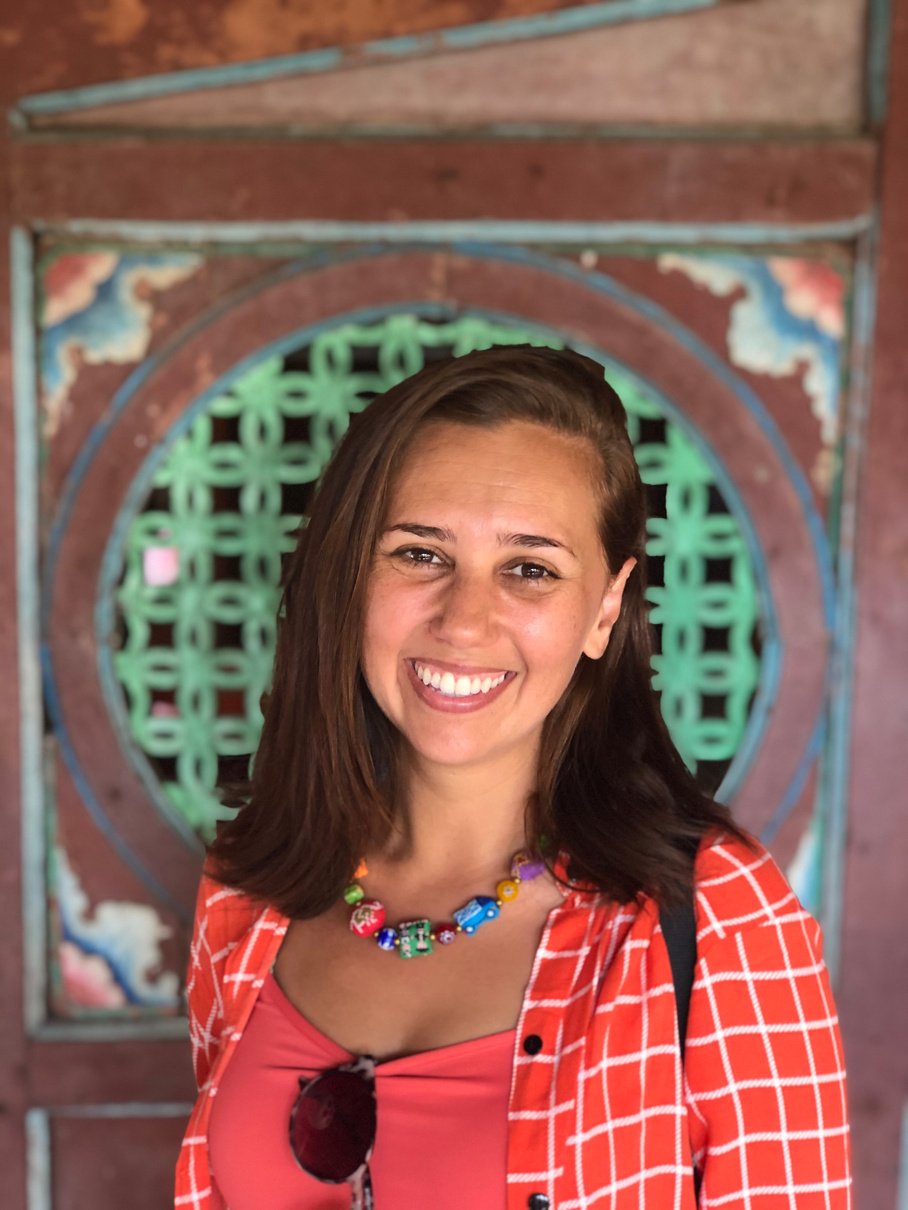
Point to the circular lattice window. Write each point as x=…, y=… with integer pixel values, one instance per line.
x=197, y=599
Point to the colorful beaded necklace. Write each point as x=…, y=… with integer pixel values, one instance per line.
x=413, y=938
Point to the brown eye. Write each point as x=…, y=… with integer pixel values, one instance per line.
x=532, y=571
x=417, y=555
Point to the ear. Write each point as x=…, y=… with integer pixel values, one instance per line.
x=598, y=637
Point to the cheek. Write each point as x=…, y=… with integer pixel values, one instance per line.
x=389, y=619
x=557, y=640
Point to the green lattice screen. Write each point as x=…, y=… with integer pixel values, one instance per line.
x=199, y=591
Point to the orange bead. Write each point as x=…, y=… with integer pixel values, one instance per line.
x=507, y=890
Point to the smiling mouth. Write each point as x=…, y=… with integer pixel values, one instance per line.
x=446, y=684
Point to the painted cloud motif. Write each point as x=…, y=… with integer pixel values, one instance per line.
x=97, y=308
x=789, y=316
x=110, y=955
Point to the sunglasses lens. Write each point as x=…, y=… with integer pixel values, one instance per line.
x=333, y=1125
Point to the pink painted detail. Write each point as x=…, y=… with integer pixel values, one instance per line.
x=812, y=290
x=71, y=283
x=445, y=933
x=367, y=918
x=160, y=565
x=164, y=710
x=87, y=979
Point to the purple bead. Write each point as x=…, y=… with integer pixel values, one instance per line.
x=385, y=938
x=526, y=867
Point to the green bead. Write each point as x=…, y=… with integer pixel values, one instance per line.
x=354, y=893
x=415, y=938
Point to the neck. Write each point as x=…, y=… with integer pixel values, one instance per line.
x=462, y=822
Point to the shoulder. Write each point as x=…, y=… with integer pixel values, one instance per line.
x=222, y=912
x=740, y=889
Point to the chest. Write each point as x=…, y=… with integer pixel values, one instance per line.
x=374, y=1002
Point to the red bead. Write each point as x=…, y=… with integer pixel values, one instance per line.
x=445, y=933
x=367, y=917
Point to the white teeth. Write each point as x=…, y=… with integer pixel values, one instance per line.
x=460, y=686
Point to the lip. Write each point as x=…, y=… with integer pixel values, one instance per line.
x=456, y=705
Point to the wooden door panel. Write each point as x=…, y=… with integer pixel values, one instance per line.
x=138, y=345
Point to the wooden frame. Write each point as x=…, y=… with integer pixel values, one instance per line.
x=755, y=190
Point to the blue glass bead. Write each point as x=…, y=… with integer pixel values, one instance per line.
x=385, y=938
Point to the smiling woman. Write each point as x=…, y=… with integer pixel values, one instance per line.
x=472, y=639
x=463, y=759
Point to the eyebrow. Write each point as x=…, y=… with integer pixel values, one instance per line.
x=438, y=534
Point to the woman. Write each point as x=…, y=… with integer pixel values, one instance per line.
x=462, y=718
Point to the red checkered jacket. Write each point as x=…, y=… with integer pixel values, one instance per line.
x=605, y=1115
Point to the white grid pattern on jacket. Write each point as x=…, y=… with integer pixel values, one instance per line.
x=604, y=1115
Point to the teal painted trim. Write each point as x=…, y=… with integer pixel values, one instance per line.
x=836, y=760
x=31, y=713
x=464, y=37
x=879, y=25
x=813, y=750
x=499, y=232
x=38, y=1160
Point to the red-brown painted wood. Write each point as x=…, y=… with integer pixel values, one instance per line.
x=109, y=1072
x=114, y=1161
x=397, y=180
x=873, y=993
x=60, y=45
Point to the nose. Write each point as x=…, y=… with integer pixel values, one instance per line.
x=465, y=615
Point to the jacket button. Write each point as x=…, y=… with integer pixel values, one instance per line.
x=532, y=1044
x=538, y=1201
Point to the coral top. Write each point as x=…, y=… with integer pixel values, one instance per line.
x=602, y=1112
x=433, y=1109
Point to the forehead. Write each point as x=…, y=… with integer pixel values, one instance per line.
x=514, y=464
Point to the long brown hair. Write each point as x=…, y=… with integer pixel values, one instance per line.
x=325, y=786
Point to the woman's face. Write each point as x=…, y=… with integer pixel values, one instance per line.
x=488, y=583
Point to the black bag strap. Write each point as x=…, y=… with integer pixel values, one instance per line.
x=679, y=927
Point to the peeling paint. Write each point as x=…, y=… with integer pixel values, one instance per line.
x=98, y=308
x=787, y=317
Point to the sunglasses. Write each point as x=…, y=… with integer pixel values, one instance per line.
x=332, y=1127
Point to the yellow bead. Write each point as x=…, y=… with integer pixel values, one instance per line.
x=506, y=890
